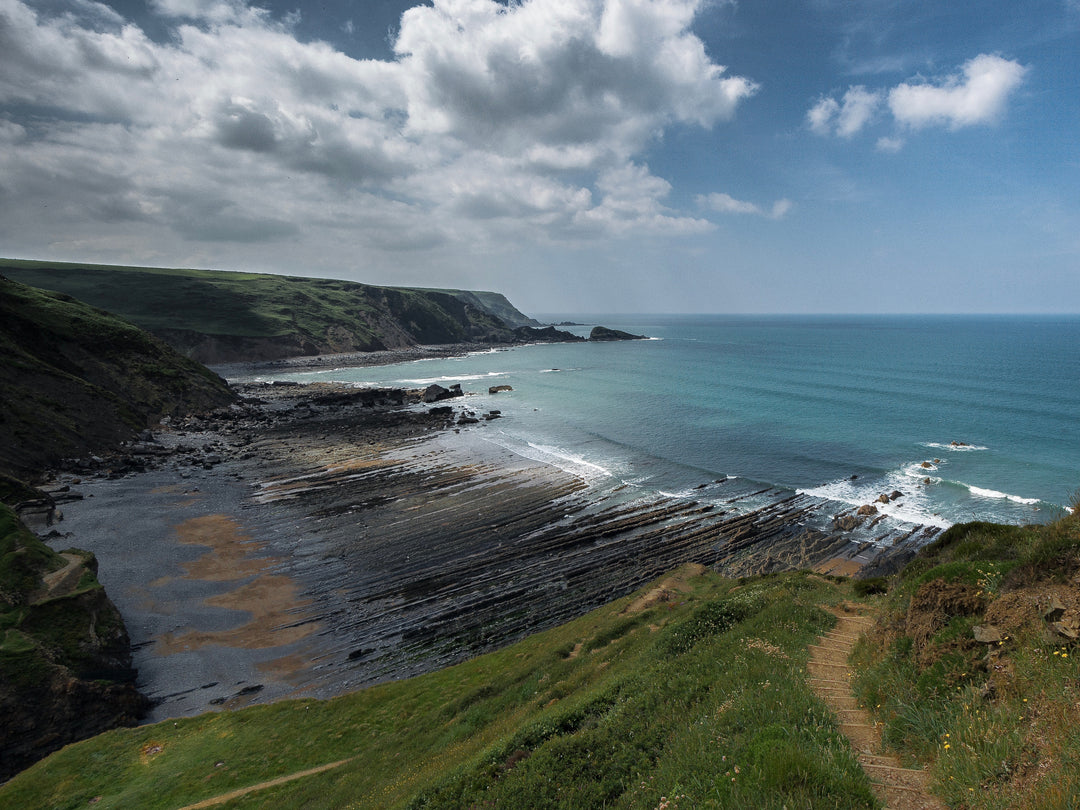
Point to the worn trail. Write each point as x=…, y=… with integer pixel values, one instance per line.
x=830, y=677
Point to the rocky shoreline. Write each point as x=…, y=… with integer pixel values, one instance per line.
x=314, y=539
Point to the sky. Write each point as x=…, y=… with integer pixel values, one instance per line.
x=724, y=156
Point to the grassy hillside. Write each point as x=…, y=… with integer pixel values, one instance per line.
x=76, y=379
x=216, y=316
x=974, y=666
x=694, y=690
x=691, y=693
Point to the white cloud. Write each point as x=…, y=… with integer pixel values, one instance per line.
x=888, y=144
x=821, y=116
x=976, y=96
x=726, y=204
x=214, y=11
x=830, y=117
x=631, y=204
x=526, y=119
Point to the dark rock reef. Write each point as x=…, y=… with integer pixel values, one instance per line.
x=604, y=333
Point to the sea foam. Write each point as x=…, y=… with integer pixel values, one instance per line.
x=954, y=448
x=913, y=507
x=992, y=493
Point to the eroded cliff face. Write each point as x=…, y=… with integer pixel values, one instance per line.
x=65, y=656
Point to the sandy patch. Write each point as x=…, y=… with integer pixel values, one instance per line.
x=289, y=668
x=275, y=610
x=272, y=600
x=227, y=558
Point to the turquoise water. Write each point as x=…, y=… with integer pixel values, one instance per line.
x=797, y=404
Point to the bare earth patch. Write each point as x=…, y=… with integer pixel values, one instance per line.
x=677, y=583
x=839, y=566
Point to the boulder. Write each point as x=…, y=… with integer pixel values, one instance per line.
x=1055, y=610
x=986, y=634
x=495, y=389
x=846, y=523
x=868, y=509
x=435, y=393
x=895, y=494
x=883, y=499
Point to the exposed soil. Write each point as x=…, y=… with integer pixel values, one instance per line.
x=281, y=780
x=666, y=590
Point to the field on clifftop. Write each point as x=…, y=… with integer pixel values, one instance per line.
x=218, y=316
x=693, y=692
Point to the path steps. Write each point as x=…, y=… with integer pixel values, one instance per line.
x=830, y=678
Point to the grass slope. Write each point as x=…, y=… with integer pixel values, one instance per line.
x=75, y=379
x=997, y=718
x=691, y=693
x=693, y=696
x=289, y=315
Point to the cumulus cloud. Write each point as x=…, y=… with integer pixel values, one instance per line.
x=857, y=110
x=976, y=95
x=491, y=119
x=726, y=204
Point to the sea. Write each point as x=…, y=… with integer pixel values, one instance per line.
x=970, y=417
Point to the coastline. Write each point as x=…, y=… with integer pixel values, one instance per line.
x=320, y=538
x=384, y=357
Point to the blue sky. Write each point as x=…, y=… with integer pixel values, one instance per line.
x=578, y=155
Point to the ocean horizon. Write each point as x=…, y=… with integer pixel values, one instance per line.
x=970, y=417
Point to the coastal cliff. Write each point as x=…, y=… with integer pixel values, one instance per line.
x=65, y=658
x=223, y=317
x=77, y=380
